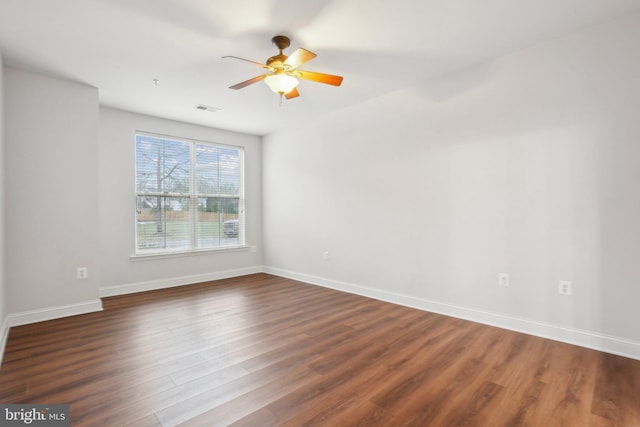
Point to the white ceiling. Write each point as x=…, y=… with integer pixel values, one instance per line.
x=120, y=46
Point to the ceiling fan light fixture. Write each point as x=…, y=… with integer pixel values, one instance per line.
x=282, y=71
x=281, y=83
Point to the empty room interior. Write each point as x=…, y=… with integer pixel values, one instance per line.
x=333, y=213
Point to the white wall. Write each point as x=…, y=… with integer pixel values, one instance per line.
x=3, y=292
x=117, y=208
x=527, y=165
x=51, y=203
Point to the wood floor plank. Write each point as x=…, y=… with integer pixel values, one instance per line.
x=247, y=403
x=327, y=403
x=261, y=350
x=197, y=404
x=364, y=414
x=616, y=394
x=262, y=417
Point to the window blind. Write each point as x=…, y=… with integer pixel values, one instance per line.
x=189, y=195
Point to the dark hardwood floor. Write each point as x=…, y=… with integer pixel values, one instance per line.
x=266, y=351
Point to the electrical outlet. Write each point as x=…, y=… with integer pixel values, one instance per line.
x=503, y=279
x=564, y=287
x=82, y=273
x=254, y=249
x=325, y=255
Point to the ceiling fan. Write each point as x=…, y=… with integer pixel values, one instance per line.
x=283, y=73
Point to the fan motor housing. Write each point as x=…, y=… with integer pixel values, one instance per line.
x=276, y=60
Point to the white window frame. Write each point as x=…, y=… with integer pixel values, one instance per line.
x=193, y=197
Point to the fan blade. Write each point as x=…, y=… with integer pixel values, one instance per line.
x=248, y=82
x=247, y=60
x=299, y=57
x=292, y=94
x=321, y=77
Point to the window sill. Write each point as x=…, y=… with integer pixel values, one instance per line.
x=180, y=254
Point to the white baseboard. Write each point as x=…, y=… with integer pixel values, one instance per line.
x=150, y=285
x=4, y=334
x=50, y=313
x=588, y=339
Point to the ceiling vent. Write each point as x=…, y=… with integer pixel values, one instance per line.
x=207, y=108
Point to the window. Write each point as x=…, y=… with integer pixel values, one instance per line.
x=189, y=195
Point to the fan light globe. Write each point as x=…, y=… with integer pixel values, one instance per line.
x=281, y=83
